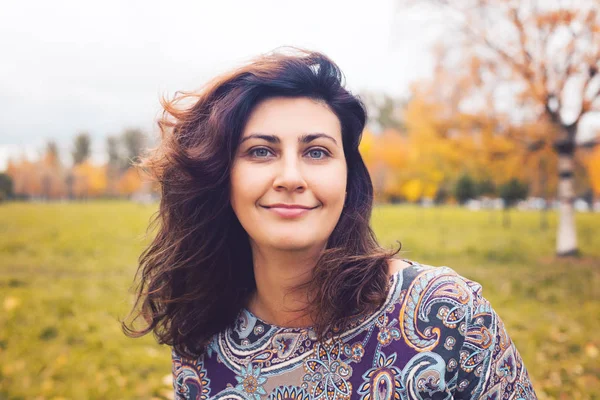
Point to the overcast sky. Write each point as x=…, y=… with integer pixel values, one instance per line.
x=101, y=66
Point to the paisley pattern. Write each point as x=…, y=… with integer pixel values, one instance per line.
x=435, y=337
x=327, y=374
x=190, y=380
x=289, y=393
x=382, y=381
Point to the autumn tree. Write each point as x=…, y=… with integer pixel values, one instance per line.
x=81, y=152
x=113, y=150
x=385, y=111
x=51, y=156
x=116, y=164
x=130, y=182
x=134, y=141
x=51, y=173
x=89, y=180
x=386, y=157
x=446, y=143
x=543, y=58
x=81, y=148
x=26, y=177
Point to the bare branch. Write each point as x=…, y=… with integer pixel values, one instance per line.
x=589, y=144
x=522, y=37
x=569, y=69
x=587, y=103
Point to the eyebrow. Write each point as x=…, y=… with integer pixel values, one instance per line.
x=306, y=138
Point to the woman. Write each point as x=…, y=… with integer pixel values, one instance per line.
x=265, y=277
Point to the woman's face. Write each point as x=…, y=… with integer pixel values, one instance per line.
x=288, y=179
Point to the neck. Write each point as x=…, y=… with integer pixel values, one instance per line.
x=277, y=272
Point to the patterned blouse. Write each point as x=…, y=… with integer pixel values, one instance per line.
x=435, y=337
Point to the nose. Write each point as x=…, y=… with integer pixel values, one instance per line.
x=289, y=176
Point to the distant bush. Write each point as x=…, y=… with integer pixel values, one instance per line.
x=513, y=191
x=465, y=189
x=485, y=187
x=441, y=195
x=6, y=187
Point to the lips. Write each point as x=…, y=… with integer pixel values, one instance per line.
x=289, y=210
x=291, y=206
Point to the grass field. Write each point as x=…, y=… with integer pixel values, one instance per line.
x=66, y=269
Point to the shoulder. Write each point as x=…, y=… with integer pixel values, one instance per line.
x=421, y=278
x=396, y=265
x=437, y=297
x=449, y=325
x=437, y=307
x=189, y=377
x=411, y=272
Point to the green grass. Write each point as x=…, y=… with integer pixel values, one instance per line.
x=66, y=269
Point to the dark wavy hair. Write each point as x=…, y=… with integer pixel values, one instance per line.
x=197, y=273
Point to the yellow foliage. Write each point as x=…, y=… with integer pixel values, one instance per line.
x=37, y=179
x=593, y=168
x=445, y=143
x=386, y=157
x=130, y=182
x=413, y=190
x=366, y=146
x=89, y=180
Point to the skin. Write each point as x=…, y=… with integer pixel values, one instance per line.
x=291, y=152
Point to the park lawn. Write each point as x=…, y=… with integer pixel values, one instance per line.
x=66, y=271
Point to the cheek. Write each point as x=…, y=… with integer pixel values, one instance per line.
x=238, y=188
x=247, y=186
x=330, y=186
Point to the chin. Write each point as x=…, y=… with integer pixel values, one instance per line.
x=292, y=242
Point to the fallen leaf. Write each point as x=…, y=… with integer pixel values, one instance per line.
x=10, y=303
x=591, y=350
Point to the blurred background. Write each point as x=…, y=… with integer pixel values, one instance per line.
x=482, y=143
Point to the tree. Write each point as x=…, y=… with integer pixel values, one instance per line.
x=116, y=165
x=441, y=195
x=6, y=187
x=130, y=182
x=81, y=148
x=51, y=173
x=511, y=192
x=134, y=141
x=88, y=180
x=385, y=111
x=113, y=150
x=446, y=143
x=385, y=156
x=51, y=157
x=465, y=189
x=485, y=187
x=548, y=54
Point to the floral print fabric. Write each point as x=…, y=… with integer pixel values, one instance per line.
x=435, y=337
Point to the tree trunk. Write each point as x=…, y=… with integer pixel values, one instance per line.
x=544, y=193
x=566, y=238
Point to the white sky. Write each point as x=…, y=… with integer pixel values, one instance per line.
x=101, y=66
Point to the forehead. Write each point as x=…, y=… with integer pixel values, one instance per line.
x=285, y=116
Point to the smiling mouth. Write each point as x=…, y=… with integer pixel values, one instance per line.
x=289, y=211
